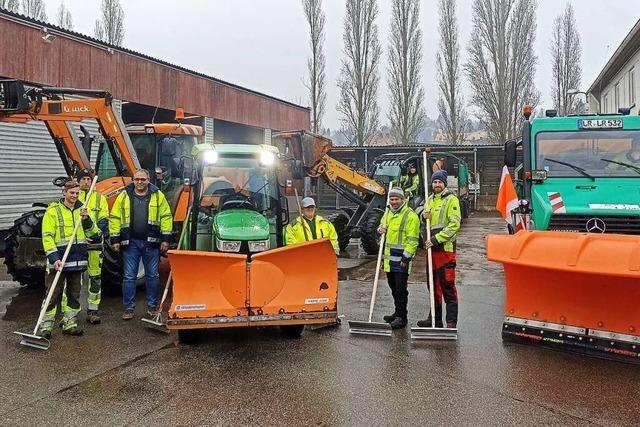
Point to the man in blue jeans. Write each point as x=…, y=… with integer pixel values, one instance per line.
x=140, y=225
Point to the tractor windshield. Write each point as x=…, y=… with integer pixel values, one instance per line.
x=386, y=172
x=595, y=153
x=239, y=183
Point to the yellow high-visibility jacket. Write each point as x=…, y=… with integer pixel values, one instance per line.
x=445, y=219
x=160, y=221
x=410, y=184
x=58, y=224
x=98, y=210
x=295, y=233
x=402, y=238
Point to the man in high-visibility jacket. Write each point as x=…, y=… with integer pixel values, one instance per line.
x=140, y=224
x=443, y=210
x=311, y=227
x=402, y=228
x=99, y=212
x=58, y=224
x=410, y=182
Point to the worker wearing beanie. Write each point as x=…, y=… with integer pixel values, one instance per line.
x=402, y=228
x=99, y=213
x=443, y=209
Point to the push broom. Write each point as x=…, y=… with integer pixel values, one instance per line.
x=374, y=328
x=432, y=333
x=34, y=340
x=155, y=323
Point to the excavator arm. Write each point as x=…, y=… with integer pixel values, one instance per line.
x=309, y=153
x=45, y=104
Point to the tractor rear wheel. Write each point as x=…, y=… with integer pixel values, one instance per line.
x=28, y=225
x=340, y=221
x=369, y=237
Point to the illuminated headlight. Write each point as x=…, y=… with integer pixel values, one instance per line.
x=227, y=246
x=267, y=158
x=210, y=157
x=258, y=246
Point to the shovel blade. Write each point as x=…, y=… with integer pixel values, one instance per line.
x=34, y=341
x=369, y=328
x=155, y=324
x=441, y=334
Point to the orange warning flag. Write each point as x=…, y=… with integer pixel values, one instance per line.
x=508, y=199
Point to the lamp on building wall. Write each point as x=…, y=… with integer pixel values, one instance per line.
x=48, y=37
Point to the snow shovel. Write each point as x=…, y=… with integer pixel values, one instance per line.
x=34, y=340
x=432, y=333
x=373, y=328
x=155, y=323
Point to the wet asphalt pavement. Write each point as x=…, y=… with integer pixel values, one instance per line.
x=122, y=373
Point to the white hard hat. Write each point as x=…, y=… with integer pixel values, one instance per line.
x=308, y=201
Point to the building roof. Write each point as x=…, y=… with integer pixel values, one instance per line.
x=53, y=29
x=629, y=46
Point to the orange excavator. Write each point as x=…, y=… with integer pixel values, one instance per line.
x=160, y=147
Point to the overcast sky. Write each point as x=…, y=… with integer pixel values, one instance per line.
x=263, y=44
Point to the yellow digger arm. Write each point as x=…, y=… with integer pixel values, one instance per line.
x=334, y=171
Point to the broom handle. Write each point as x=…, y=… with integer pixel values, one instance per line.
x=304, y=229
x=166, y=286
x=380, y=250
x=47, y=300
x=430, y=284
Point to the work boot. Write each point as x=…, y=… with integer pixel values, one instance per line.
x=152, y=311
x=427, y=323
x=127, y=315
x=92, y=317
x=74, y=330
x=452, y=325
x=46, y=334
x=389, y=318
x=398, y=323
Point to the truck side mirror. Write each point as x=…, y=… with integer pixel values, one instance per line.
x=510, y=153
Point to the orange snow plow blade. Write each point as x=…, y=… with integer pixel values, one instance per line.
x=297, y=283
x=575, y=291
x=294, y=285
x=207, y=285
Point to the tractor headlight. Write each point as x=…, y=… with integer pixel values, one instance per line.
x=227, y=245
x=259, y=246
x=210, y=157
x=267, y=158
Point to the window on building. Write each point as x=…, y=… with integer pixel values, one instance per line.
x=616, y=97
x=632, y=87
x=605, y=104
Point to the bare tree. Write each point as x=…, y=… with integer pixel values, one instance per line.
x=64, y=19
x=10, y=5
x=34, y=9
x=358, y=82
x=566, y=53
x=502, y=63
x=407, y=115
x=109, y=28
x=450, y=102
x=316, y=63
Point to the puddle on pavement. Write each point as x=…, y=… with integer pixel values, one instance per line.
x=16, y=300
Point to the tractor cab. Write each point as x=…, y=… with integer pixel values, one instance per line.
x=237, y=206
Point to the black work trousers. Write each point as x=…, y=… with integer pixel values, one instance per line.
x=398, y=284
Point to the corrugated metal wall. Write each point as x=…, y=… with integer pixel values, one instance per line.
x=28, y=163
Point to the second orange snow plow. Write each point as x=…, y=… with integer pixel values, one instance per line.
x=574, y=291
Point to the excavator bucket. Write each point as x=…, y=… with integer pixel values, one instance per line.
x=295, y=284
x=209, y=290
x=573, y=291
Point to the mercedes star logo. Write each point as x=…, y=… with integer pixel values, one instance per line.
x=596, y=225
